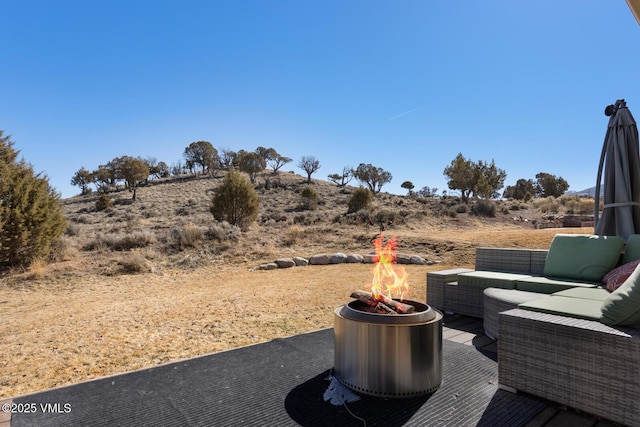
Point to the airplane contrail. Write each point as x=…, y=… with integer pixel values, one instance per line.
x=405, y=113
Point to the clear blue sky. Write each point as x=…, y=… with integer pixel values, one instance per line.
x=404, y=85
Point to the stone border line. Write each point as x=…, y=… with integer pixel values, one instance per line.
x=340, y=258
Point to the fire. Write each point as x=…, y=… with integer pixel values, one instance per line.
x=389, y=278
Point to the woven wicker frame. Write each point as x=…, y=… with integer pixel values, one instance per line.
x=579, y=363
x=444, y=293
x=436, y=281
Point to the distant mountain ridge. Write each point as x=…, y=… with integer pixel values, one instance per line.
x=591, y=191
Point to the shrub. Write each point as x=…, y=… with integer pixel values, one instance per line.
x=103, y=202
x=122, y=242
x=360, y=199
x=31, y=216
x=272, y=215
x=62, y=250
x=462, y=208
x=485, y=208
x=292, y=235
x=306, y=219
x=135, y=263
x=139, y=239
x=548, y=205
x=223, y=231
x=235, y=201
x=385, y=217
x=189, y=235
x=309, y=197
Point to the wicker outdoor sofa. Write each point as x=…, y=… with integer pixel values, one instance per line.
x=579, y=362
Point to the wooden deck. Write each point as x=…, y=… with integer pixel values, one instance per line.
x=469, y=331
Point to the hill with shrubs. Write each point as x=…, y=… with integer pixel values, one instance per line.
x=172, y=223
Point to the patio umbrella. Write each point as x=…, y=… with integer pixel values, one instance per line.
x=634, y=5
x=621, y=212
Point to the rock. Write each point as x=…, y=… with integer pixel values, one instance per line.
x=338, y=258
x=319, y=259
x=417, y=259
x=268, y=266
x=403, y=259
x=370, y=259
x=285, y=262
x=355, y=258
x=300, y=262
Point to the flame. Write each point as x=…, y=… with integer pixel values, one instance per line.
x=389, y=278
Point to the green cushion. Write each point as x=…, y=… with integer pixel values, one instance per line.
x=582, y=256
x=490, y=279
x=632, y=251
x=597, y=294
x=548, y=286
x=512, y=296
x=622, y=307
x=566, y=306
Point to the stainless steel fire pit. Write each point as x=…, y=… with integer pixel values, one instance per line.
x=388, y=356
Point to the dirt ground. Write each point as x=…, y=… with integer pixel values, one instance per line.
x=88, y=325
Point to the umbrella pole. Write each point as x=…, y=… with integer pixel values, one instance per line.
x=596, y=208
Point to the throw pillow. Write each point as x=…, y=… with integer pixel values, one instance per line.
x=616, y=277
x=622, y=307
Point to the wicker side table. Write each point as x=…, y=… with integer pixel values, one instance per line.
x=435, y=285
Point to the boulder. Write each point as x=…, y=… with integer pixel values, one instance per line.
x=285, y=262
x=370, y=259
x=319, y=259
x=300, y=262
x=268, y=266
x=417, y=259
x=355, y=258
x=338, y=258
x=403, y=259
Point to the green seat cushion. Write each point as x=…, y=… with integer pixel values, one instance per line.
x=549, y=286
x=566, y=306
x=512, y=296
x=582, y=257
x=596, y=294
x=632, y=251
x=622, y=307
x=490, y=279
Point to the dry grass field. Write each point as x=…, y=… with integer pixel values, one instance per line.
x=158, y=280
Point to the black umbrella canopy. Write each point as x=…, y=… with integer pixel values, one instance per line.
x=621, y=187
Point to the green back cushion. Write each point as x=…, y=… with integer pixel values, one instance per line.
x=582, y=256
x=622, y=307
x=632, y=251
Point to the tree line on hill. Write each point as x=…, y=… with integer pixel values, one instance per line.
x=477, y=180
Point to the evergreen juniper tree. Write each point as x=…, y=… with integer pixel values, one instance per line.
x=31, y=218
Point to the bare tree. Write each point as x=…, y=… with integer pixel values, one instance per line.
x=309, y=164
x=344, y=179
x=277, y=162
